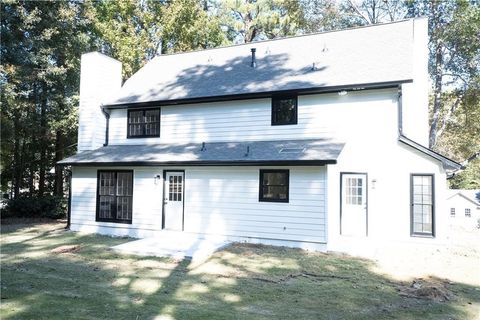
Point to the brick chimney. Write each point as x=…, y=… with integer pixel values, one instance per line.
x=100, y=79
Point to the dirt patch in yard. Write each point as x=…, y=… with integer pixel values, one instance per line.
x=432, y=289
x=457, y=261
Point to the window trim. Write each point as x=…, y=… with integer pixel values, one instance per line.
x=260, y=188
x=129, y=136
x=97, y=210
x=284, y=97
x=422, y=234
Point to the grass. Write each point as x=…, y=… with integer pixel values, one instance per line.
x=39, y=280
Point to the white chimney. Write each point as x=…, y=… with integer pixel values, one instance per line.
x=100, y=79
x=415, y=94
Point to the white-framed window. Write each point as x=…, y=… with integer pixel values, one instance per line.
x=452, y=212
x=354, y=191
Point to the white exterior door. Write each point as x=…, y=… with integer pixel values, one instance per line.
x=173, y=200
x=354, y=204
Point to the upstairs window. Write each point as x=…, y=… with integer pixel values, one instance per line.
x=422, y=204
x=143, y=123
x=284, y=110
x=452, y=212
x=274, y=185
x=114, y=196
x=468, y=213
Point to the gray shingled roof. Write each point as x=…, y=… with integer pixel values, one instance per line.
x=315, y=152
x=366, y=55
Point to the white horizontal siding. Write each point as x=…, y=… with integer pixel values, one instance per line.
x=218, y=200
x=147, y=203
x=225, y=201
x=355, y=115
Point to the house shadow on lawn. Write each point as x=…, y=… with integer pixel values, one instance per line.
x=242, y=282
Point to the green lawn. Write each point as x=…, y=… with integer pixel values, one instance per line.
x=241, y=282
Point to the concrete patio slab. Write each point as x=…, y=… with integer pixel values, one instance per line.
x=178, y=245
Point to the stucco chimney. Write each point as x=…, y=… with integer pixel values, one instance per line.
x=100, y=79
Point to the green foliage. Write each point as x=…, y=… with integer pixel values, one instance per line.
x=35, y=207
x=469, y=178
x=40, y=49
x=134, y=32
x=122, y=31
x=187, y=26
x=250, y=20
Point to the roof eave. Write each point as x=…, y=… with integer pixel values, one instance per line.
x=258, y=95
x=448, y=164
x=202, y=163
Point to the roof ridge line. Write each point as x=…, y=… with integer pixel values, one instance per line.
x=285, y=38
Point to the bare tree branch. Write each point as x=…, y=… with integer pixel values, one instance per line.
x=471, y=158
x=448, y=116
x=357, y=10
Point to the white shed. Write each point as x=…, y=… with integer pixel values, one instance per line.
x=464, y=207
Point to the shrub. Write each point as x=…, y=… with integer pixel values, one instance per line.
x=35, y=207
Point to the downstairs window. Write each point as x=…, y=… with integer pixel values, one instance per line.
x=114, y=196
x=274, y=185
x=422, y=204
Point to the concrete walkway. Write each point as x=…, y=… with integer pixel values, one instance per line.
x=178, y=245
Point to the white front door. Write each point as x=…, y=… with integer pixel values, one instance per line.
x=354, y=204
x=173, y=200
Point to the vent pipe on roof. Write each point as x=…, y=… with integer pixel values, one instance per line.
x=253, y=64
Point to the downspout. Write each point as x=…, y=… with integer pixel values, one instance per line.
x=69, y=207
x=107, y=121
x=400, y=112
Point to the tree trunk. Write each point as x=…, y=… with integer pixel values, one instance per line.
x=23, y=158
x=59, y=143
x=16, y=157
x=31, y=179
x=43, y=144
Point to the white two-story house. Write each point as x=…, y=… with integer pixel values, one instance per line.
x=314, y=141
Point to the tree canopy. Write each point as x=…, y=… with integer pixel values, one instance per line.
x=42, y=41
